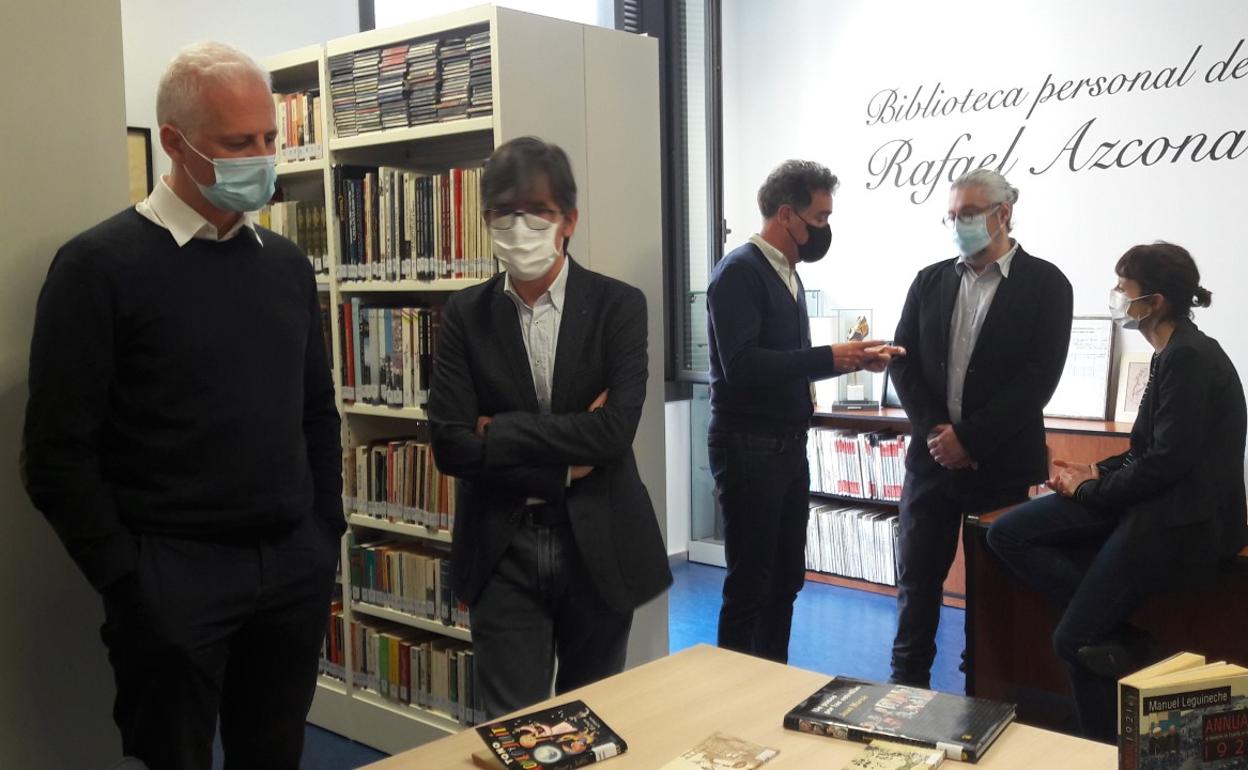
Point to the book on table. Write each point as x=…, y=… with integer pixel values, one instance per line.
x=886, y=755
x=857, y=710
x=719, y=751
x=1184, y=712
x=561, y=737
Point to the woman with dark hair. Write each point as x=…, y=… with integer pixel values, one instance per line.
x=1162, y=516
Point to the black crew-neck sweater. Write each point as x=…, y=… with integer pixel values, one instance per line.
x=178, y=391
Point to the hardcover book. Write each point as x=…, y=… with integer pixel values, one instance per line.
x=559, y=738
x=856, y=710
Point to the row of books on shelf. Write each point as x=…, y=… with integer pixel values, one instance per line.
x=411, y=83
x=865, y=465
x=405, y=577
x=404, y=666
x=298, y=126
x=387, y=352
x=397, y=224
x=398, y=480
x=852, y=541
x=304, y=223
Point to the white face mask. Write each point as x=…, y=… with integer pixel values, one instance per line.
x=1118, y=304
x=526, y=253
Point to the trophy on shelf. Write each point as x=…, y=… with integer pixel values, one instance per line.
x=856, y=389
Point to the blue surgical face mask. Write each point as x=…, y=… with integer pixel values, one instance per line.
x=243, y=184
x=970, y=237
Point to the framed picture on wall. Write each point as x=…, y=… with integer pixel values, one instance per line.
x=1083, y=391
x=139, y=160
x=1132, y=382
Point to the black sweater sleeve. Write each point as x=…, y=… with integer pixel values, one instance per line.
x=72, y=362
x=321, y=423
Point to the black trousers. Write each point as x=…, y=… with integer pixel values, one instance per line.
x=540, y=605
x=764, y=490
x=930, y=521
x=204, y=630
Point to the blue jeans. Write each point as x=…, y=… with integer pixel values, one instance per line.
x=764, y=489
x=1040, y=543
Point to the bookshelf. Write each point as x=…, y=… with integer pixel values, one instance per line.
x=1077, y=440
x=595, y=93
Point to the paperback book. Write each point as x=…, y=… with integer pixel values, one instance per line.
x=722, y=751
x=559, y=738
x=1184, y=713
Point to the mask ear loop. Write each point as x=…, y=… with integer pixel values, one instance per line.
x=786, y=230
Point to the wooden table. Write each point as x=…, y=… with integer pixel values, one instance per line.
x=666, y=707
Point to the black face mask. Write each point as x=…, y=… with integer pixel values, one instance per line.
x=818, y=239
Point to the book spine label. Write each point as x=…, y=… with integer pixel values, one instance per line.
x=1128, y=727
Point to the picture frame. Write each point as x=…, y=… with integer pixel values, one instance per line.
x=1132, y=382
x=1083, y=392
x=139, y=162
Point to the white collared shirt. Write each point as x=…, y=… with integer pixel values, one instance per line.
x=539, y=325
x=786, y=271
x=166, y=209
x=975, y=294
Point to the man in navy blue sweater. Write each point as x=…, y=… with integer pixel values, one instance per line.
x=762, y=366
x=181, y=436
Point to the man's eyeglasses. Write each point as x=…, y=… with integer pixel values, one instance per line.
x=505, y=219
x=966, y=217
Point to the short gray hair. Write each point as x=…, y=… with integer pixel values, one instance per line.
x=999, y=190
x=182, y=85
x=791, y=183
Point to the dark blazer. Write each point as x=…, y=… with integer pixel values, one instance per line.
x=1181, y=484
x=1013, y=371
x=481, y=368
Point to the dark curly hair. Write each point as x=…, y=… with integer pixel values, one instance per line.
x=792, y=183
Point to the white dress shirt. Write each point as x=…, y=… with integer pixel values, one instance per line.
x=786, y=271
x=539, y=325
x=166, y=209
x=975, y=295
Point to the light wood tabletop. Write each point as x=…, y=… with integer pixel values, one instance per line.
x=667, y=706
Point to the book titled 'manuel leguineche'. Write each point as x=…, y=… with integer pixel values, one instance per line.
x=558, y=738
x=856, y=710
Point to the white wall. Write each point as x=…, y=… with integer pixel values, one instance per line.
x=679, y=470
x=155, y=30
x=799, y=76
x=64, y=161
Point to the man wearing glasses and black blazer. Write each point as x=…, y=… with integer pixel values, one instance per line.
x=538, y=385
x=987, y=334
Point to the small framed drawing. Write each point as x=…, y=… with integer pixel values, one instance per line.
x=1132, y=382
x=139, y=157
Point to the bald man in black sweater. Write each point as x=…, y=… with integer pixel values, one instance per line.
x=181, y=436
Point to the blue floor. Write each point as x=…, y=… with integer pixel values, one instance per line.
x=835, y=631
